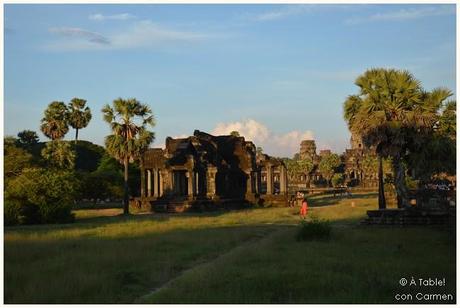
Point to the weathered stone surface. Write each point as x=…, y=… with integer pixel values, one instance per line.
x=203, y=168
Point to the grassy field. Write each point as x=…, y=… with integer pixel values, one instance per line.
x=245, y=256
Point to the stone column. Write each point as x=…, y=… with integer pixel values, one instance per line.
x=155, y=182
x=197, y=183
x=259, y=181
x=149, y=183
x=190, y=180
x=142, y=182
x=160, y=181
x=269, y=179
x=167, y=181
x=282, y=179
x=249, y=189
x=211, y=180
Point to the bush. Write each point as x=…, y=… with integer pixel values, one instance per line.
x=40, y=196
x=12, y=211
x=337, y=179
x=315, y=229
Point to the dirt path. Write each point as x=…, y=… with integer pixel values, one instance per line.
x=236, y=249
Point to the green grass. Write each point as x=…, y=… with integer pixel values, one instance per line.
x=245, y=256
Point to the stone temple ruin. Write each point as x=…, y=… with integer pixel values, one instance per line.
x=354, y=172
x=205, y=171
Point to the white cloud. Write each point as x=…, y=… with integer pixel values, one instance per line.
x=284, y=12
x=143, y=34
x=101, y=17
x=81, y=34
x=405, y=14
x=287, y=11
x=284, y=145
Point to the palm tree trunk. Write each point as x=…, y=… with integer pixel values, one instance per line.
x=382, y=201
x=400, y=183
x=76, y=135
x=126, y=193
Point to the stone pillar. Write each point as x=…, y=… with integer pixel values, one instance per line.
x=149, y=183
x=249, y=189
x=259, y=181
x=269, y=179
x=211, y=180
x=282, y=179
x=160, y=182
x=155, y=182
x=197, y=183
x=142, y=182
x=190, y=182
x=167, y=181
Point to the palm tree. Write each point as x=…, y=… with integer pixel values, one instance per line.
x=59, y=154
x=128, y=121
x=389, y=113
x=55, y=124
x=79, y=115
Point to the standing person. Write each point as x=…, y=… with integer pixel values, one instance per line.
x=304, y=208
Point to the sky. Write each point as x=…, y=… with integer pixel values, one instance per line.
x=278, y=74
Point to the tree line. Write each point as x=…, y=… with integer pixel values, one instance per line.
x=42, y=180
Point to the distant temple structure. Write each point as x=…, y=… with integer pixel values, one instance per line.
x=355, y=173
x=352, y=168
x=206, y=171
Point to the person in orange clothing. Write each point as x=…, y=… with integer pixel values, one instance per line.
x=304, y=208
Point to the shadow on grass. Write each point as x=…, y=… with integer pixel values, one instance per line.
x=106, y=221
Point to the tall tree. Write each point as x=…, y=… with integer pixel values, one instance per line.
x=55, y=123
x=59, y=154
x=28, y=137
x=129, y=120
x=79, y=115
x=328, y=165
x=389, y=113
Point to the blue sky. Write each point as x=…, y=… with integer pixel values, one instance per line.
x=276, y=73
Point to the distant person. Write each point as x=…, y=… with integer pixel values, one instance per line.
x=304, y=209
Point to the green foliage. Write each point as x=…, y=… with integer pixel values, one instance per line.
x=296, y=167
x=59, y=154
x=28, y=138
x=448, y=120
x=316, y=229
x=411, y=183
x=337, y=179
x=435, y=151
x=100, y=185
x=110, y=165
x=395, y=115
x=235, y=133
x=45, y=196
x=328, y=165
x=78, y=115
x=305, y=165
x=15, y=158
x=129, y=121
x=88, y=155
x=55, y=123
x=12, y=212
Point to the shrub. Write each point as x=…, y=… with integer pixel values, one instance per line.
x=43, y=196
x=12, y=211
x=315, y=229
x=337, y=179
